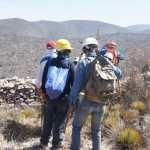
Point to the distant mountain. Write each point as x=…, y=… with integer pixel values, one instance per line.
x=49, y=29
x=146, y=31
x=22, y=43
x=139, y=28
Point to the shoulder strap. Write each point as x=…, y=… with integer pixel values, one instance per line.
x=44, y=59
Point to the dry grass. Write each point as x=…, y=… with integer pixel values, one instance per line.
x=20, y=127
x=129, y=138
x=124, y=128
x=17, y=129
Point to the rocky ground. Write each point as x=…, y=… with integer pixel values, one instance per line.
x=20, y=130
x=20, y=123
x=21, y=117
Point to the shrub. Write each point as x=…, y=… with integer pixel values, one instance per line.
x=138, y=105
x=112, y=115
x=129, y=138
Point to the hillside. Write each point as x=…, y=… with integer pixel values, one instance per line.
x=22, y=42
x=126, y=122
x=138, y=28
x=49, y=29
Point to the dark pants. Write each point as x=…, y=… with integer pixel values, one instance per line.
x=54, y=120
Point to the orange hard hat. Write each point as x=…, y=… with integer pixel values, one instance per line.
x=111, y=44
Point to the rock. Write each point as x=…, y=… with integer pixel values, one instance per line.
x=15, y=90
x=12, y=91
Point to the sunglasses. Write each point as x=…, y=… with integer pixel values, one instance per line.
x=92, y=46
x=65, y=51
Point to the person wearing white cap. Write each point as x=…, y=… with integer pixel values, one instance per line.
x=85, y=107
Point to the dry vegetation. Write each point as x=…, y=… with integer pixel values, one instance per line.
x=126, y=124
x=20, y=129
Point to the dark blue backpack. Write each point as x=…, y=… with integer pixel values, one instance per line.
x=55, y=77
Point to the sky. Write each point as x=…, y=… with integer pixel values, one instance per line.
x=119, y=12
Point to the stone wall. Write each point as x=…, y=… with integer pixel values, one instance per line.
x=17, y=91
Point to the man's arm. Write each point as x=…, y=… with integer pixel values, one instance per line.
x=78, y=82
x=72, y=74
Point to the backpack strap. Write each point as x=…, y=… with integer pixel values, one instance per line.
x=44, y=59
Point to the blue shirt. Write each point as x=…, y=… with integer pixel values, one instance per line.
x=48, y=54
x=81, y=77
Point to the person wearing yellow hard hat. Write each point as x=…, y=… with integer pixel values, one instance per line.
x=57, y=80
x=63, y=45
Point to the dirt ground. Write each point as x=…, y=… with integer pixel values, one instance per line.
x=20, y=129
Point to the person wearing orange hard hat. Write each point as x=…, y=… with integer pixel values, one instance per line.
x=111, y=49
x=49, y=54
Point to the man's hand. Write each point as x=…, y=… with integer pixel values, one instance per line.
x=73, y=104
x=69, y=115
x=39, y=91
x=72, y=108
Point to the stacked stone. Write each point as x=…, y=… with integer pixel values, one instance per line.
x=17, y=91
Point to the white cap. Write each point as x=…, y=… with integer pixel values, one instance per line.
x=89, y=41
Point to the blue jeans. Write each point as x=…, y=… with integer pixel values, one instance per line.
x=85, y=108
x=54, y=120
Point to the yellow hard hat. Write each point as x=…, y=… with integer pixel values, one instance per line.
x=63, y=44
